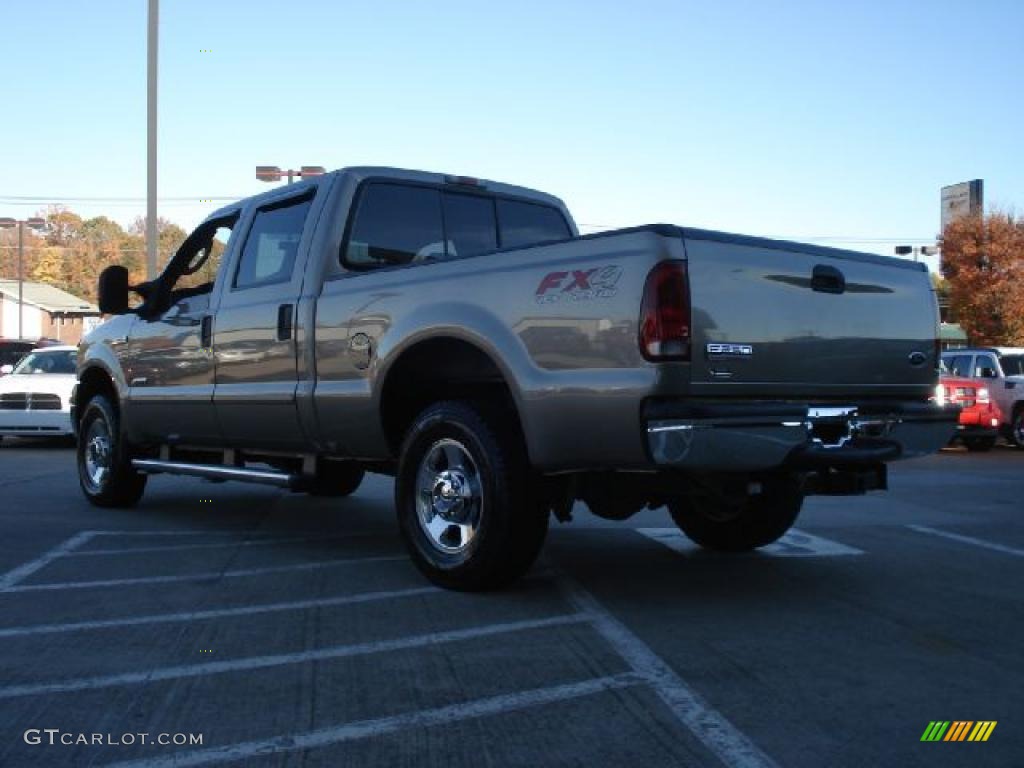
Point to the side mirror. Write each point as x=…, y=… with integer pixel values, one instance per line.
x=113, y=290
x=6, y=370
x=986, y=373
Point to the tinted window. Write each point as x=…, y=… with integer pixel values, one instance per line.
x=470, y=225
x=960, y=365
x=981, y=362
x=1013, y=365
x=48, y=362
x=395, y=224
x=272, y=244
x=527, y=223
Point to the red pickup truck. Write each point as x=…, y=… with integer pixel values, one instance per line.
x=979, y=422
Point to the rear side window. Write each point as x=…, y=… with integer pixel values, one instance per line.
x=528, y=223
x=470, y=224
x=395, y=224
x=985, y=366
x=273, y=243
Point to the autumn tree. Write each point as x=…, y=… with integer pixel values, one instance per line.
x=983, y=261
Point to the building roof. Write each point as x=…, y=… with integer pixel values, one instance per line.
x=48, y=298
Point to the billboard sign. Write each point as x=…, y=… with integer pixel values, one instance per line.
x=964, y=199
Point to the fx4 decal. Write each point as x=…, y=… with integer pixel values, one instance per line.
x=579, y=284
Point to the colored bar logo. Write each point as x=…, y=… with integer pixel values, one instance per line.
x=959, y=730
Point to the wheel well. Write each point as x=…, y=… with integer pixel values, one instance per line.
x=94, y=381
x=441, y=369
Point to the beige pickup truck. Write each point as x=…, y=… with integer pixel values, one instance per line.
x=461, y=335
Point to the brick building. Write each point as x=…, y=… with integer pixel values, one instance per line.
x=49, y=313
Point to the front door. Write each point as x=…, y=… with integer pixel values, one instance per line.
x=255, y=328
x=169, y=360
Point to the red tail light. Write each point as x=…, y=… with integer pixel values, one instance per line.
x=665, y=313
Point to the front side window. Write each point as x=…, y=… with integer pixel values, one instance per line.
x=48, y=362
x=204, y=263
x=395, y=224
x=960, y=365
x=524, y=224
x=273, y=244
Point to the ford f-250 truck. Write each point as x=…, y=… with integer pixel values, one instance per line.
x=461, y=335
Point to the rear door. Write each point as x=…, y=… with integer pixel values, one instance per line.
x=255, y=327
x=769, y=319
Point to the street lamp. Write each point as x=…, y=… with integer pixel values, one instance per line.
x=34, y=223
x=924, y=250
x=274, y=173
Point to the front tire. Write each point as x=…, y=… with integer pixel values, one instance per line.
x=105, y=472
x=979, y=444
x=1017, y=427
x=726, y=519
x=468, y=513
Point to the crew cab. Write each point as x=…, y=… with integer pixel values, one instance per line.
x=1001, y=371
x=461, y=335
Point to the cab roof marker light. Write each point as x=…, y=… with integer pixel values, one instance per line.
x=463, y=181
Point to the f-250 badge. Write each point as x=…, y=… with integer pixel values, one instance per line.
x=579, y=284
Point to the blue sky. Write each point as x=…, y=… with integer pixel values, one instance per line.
x=799, y=119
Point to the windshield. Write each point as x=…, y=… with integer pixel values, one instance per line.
x=62, y=361
x=1013, y=365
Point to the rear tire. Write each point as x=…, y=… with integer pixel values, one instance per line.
x=735, y=521
x=979, y=444
x=105, y=471
x=469, y=515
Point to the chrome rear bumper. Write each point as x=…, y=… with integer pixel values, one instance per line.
x=743, y=437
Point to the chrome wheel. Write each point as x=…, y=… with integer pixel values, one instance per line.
x=97, y=454
x=449, y=496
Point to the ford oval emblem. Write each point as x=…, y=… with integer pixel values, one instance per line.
x=917, y=358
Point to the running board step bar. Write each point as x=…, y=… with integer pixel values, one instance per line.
x=218, y=472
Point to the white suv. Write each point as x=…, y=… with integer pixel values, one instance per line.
x=1002, y=369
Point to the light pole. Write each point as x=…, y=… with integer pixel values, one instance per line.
x=35, y=223
x=273, y=173
x=152, y=44
x=923, y=250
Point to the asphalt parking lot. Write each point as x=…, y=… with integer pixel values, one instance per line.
x=292, y=631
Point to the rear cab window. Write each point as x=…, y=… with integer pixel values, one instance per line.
x=522, y=224
x=394, y=224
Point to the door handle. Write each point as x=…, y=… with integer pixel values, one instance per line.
x=206, y=331
x=827, y=279
x=285, y=313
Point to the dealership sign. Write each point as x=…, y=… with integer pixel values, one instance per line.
x=964, y=199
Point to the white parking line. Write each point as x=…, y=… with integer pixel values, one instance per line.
x=968, y=540
x=218, y=544
x=711, y=727
x=201, y=577
x=362, y=729
x=218, y=613
x=263, y=662
x=794, y=543
x=22, y=572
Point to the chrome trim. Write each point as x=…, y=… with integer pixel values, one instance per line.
x=214, y=471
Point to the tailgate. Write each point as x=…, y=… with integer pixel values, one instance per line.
x=773, y=318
